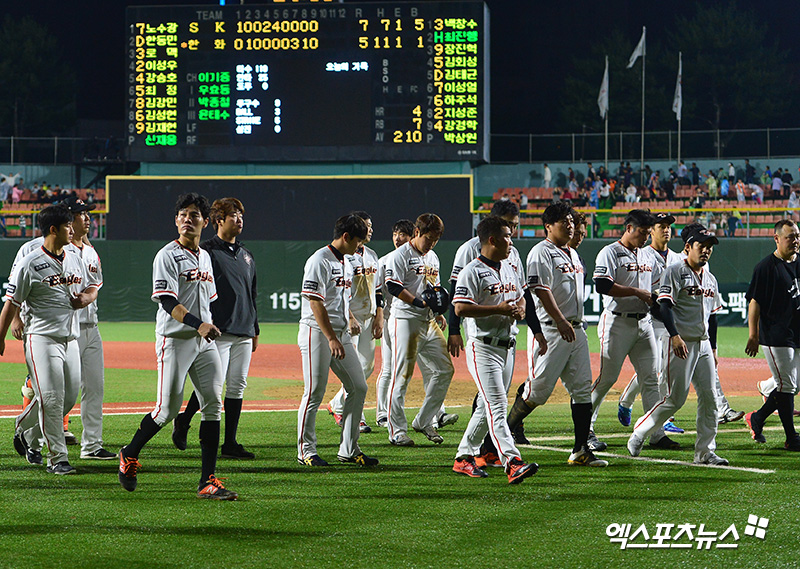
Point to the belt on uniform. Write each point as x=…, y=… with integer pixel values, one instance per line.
x=507, y=344
x=637, y=315
x=575, y=324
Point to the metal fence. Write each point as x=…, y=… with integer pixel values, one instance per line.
x=658, y=145
x=59, y=150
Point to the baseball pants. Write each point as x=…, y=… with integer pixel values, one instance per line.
x=492, y=368
x=317, y=361
x=783, y=362
x=55, y=367
x=414, y=339
x=566, y=360
x=365, y=347
x=621, y=337
x=175, y=357
x=628, y=396
x=698, y=370
x=235, y=353
x=90, y=345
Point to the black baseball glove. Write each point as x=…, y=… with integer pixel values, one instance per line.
x=437, y=298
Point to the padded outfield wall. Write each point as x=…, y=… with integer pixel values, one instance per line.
x=127, y=269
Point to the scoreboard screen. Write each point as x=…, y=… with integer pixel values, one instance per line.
x=383, y=81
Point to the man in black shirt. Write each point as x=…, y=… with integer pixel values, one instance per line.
x=234, y=313
x=774, y=322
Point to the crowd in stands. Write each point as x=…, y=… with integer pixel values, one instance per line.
x=13, y=191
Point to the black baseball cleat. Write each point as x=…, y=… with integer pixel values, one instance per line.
x=128, y=468
x=793, y=443
x=666, y=443
x=212, y=489
x=756, y=427
x=25, y=451
x=61, y=468
x=179, y=433
x=236, y=452
x=361, y=459
x=595, y=444
x=519, y=435
x=518, y=471
x=467, y=467
x=313, y=460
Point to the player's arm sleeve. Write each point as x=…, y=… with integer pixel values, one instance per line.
x=394, y=288
x=668, y=317
x=712, y=330
x=168, y=303
x=603, y=275
x=603, y=285
x=453, y=320
x=165, y=277
x=530, y=314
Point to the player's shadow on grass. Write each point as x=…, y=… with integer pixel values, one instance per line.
x=194, y=530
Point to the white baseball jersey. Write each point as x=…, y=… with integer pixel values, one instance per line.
x=694, y=298
x=658, y=263
x=46, y=283
x=414, y=272
x=23, y=252
x=483, y=284
x=626, y=268
x=362, y=296
x=94, y=277
x=560, y=271
x=189, y=277
x=470, y=250
x=328, y=277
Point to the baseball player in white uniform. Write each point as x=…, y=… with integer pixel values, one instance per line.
x=659, y=256
x=688, y=298
x=416, y=333
x=556, y=275
x=402, y=232
x=234, y=313
x=183, y=284
x=489, y=295
x=366, y=315
x=52, y=283
x=326, y=344
x=623, y=275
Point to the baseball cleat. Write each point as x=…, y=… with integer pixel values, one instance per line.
x=20, y=444
x=431, y=433
x=670, y=427
x=336, y=416
x=594, y=443
x=313, y=460
x=793, y=443
x=69, y=438
x=468, y=467
x=402, y=440
x=61, y=468
x=236, y=452
x=518, y=471
x=624, y=415
x=364, y=428
x=361, y=459
x=179, y=433
x=712, y=459
x=488, y=459
x=128, y=468
x=756, y=427
x=585, y=457
x=99, y=454
x=665, y=443
x=383, y=422
x=635, y=445
x=730, y=416
x=519, y=435
x=447, y=419
x=213, y=489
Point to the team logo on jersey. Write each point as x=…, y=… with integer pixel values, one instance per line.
x=41, y=266
x=310, y=285
x=665, y=289
x=11, y=289
x=56, y=280
x=160, y=284
x=389, y=272
x=336, y=271
x=533, y=280
x=342, y=282
x=565, y=268
x=413, y=262
x=180, y=257
x=600, y=270
x=695, y=290
x=461, y=291
x=92, y=268
x=636, y=268
x=430, y=272
x=364, y=271
x=484, y=274
x=501, y=288
x=248, y=259
x=196, y=274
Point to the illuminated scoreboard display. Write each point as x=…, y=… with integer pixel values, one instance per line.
x=386, y=81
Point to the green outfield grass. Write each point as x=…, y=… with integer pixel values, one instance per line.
x=411, y=511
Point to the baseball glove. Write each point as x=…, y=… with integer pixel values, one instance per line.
x=437, y=298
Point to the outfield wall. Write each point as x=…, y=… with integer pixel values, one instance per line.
x=127, y=272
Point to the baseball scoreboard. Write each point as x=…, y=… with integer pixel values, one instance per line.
x=377, y=81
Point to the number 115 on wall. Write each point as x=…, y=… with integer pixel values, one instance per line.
x=285, y=300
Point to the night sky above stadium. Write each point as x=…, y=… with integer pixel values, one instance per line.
x=533, y=43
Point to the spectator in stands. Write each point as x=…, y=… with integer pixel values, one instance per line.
x=573, y=187
x=682, y=178
x=794, y=202
x=620, y=172
x=654, y=187
x=739, y=189
x=571, y=175
x=787, y=180
x=628, y=174
x=523, y=201
x=699, y=199
x=606, y=201
x=670, y=183
x=749, y=172
x=766, y=177
x=556, y=195
x=591, y=174
x=648, y=173
x=618, y=193
x=724, y=188
x=757, y=193
x=602, y=175
x=548, y=176
x=631, y=194
x=583, y=198
x=16, y=194
x=734, y=219
x=731, y=172
x=695, y=174
x=712, y=185
x=777, y=185
x=594, y=197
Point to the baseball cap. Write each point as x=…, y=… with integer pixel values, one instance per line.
x=664, y=218
x=77, y=205
x=699, y=235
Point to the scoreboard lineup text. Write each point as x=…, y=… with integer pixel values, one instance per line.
x=381, y=81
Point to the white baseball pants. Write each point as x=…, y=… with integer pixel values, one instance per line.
x=365, y=347
x=235, y=353
x=783, y=363
x=566, y=360
x=628, y=396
